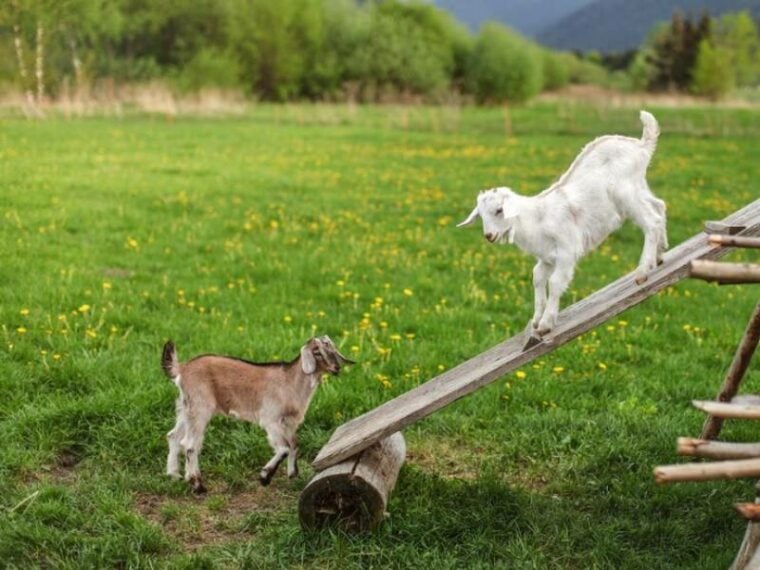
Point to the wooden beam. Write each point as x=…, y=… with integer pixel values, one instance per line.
x=353, y=495
x=716, y=449
x=735, y=241
x=739, y=365
x=728, y=410
x=735, y=469
x=725, y=273
x=393, y=416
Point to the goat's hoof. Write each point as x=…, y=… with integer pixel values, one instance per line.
x=265, y=479
x=293, y=475
x=641, y=279
x=174, y=475
x=198, y=487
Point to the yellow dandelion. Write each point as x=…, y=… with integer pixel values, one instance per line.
x=132, y=243
x=288, y=319
x=410, y=336
x=354, y=349
x=395, y=336
x=23, y=312
x=558, y=369
x=83, y=308
x=21, y=330
x=610, y=328
x=274, y=224
x=602, y=366
x=408, y=292
x=56, y=356
x=520, y=375
x=91, y=333
x=623, y=323
x=106, y=285
x=441, y=368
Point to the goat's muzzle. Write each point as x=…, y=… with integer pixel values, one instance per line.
x=491, y=237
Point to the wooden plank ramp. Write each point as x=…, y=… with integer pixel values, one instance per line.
x=365, y=430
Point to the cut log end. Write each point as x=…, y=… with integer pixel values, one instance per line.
x=353, y=495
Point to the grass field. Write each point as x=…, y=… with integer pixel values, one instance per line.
x=246, y=235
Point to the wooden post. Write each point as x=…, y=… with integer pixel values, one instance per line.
x=747, y=557
x=725, y=273
x=353, y=494
x=735, y=373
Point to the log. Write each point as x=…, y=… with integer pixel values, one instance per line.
x=724, y=273
x=736, y=371
x=708, y=471
x=734, y=241
x=716, y=449
x=353, y=495
x=728, y=410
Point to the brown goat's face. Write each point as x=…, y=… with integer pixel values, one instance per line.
x=321, y=355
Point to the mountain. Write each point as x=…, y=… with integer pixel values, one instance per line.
x=619, y=25
x=602, y=25
x=528, y=17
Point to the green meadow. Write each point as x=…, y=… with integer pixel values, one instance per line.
x=245, y=235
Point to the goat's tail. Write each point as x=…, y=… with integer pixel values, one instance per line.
x=169, y=361
x=651, y=131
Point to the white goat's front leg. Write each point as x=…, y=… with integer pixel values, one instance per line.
x=558, y=283
x=541, y=273
x=279, y=443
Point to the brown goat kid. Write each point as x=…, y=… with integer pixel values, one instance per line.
x=274, y=395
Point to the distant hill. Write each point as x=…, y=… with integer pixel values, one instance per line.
x=618, y=25
x=528, y=17
x=602, y=25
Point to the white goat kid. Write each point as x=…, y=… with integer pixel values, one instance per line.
x=275, y=395
x=605, y=185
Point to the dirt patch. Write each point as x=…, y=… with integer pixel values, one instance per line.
x=217, y=517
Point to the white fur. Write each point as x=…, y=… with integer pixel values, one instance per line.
x=604, y=186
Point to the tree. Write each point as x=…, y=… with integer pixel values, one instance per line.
x=737, y=33
x=503, y=66
x=714, y=75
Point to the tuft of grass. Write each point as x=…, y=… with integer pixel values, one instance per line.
x=247, y=235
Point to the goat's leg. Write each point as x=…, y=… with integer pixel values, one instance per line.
x=558, y=283
x=193, y=443
x=174, y=437
x=279, y=444
x=293, y=457
x=648, y=213
x=541, y=273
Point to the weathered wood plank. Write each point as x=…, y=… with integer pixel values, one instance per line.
x=724, y=273
x=357, y=434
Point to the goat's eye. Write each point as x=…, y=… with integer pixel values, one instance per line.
x=499, y=211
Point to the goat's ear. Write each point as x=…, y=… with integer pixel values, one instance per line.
x=474, y=215
x=308, y=362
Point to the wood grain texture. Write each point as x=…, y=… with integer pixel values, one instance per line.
x=393, y=416
x=728, y=409
x=734, y=469
x=735, y=241
x=716, y=449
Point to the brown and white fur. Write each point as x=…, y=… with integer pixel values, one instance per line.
x=274, y=395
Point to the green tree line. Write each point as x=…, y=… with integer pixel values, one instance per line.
x=281, y=50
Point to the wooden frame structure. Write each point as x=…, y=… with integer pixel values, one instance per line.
x=734, y=460
x=352, y=438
